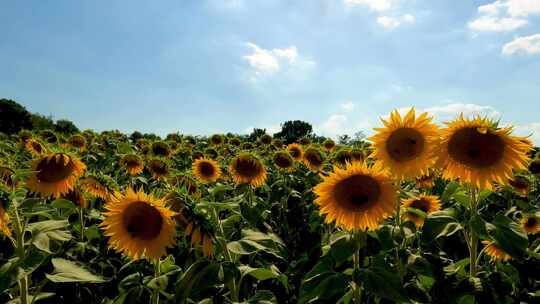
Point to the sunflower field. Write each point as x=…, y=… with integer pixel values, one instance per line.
x=419, y=213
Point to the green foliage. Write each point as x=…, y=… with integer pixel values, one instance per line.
x=13, y=117
x=293, y=130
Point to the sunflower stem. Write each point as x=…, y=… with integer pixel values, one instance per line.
x=81, y=220
x=473, y=244
x=358, y=237
x=235, y=292
x=19, y=236
x=155, y=295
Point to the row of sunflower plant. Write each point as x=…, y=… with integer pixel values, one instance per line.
x=420, y=214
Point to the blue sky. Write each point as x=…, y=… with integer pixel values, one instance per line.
x=208, y=66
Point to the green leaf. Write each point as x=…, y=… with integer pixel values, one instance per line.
x=63, y=204
x=383, y=282
x=68, y=271
x=342, y=248
x=509, y=236
x=260, y=274
x=437, y=225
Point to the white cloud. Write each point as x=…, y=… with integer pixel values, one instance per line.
x=267, y=62
x=335, y=124
x=393, y=22
x=526, y=44
x=504, y=15
x=496, y=24
x=347, y=106
x=452, y=110
x=531, y=129
x=376, y=5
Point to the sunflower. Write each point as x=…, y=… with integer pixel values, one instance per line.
x=283, y=160
x=139, y=225
x=343, y=157
x=187, y=182
x=4, y=221
x=133, y=164
x=212, y=153
x=49, y=136
x=5, y=176
x=248, y=169
x=296, y=151
x=194, y=226
x=34, y=147
x=328, y=145
x=234, y=142
x=495, y=252
x=426, y=180
x=160, y=148
x=425, y=203
x=247, y=146
x=534, y=167
x=357, y=155
x=266, y=139
x=55, y=174
x=97, y=186
x=216, y=139
x=77, y=141
x=158, y=168
x=478, y=152
x=196, y=155
x=25, y=135
x=304, y=141
x=277, y=143
x=190, y=140
x=76, y=196
x=313, y=159
x=520, y=184
x=356, y=197
x=206, y=170
x=531, y=224
x=406, y=146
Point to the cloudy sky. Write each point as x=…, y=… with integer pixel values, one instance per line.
x=206, y=66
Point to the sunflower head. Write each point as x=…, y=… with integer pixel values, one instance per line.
x=265, y=139
x=283, y=160
x=160, y=149
x=206, y=170
x=328, y=144
x=158, y=168
x=278, y=143
x=145, y=150
x=406, y=146
x=357, y=155
x=296, y=151
x=304, y=141
x=34, y=147
x=343, y=157
x=247, y=168
x=25, y=135
x=216, y=139
x=6, y=174
x=196, y=155
x=313, y=159
x=4, y=221
x=425, y=203
x=77, y=141
x=141, y=142
x=479, y=152
x=426, y=180
x=133, y=164
x=55, y=174
x=520, y=184
x=139, y=225
x=190, y=140
x=531, y=224
x=356, y=197
x=186, y=182
x=76, y=196
x=173, y=145
x=211, y=152
x=246, y=146
x=534, y=167
x=235, y=142
x=98, y=185
x=495, y=252
x=49, y=136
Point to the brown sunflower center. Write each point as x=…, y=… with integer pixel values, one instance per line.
x=53, y=170
x=247, y=167
x=534, y=166
x=531, y=222
x=159, y=168
x=282, y=160
x=343, y=157
x=405, y=144
x=519, y=182
x=36, y=146
x=142, y=220
x=475, y=149
x=295, y=152
x=160, y=150
x=357, y=192
x=421, y=204
x=314, y=157
x=206, y=169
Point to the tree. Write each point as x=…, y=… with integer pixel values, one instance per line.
x=256, y=133
x=293, y=130
x=65, y=126
x=13, y=117
x=41, y=122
